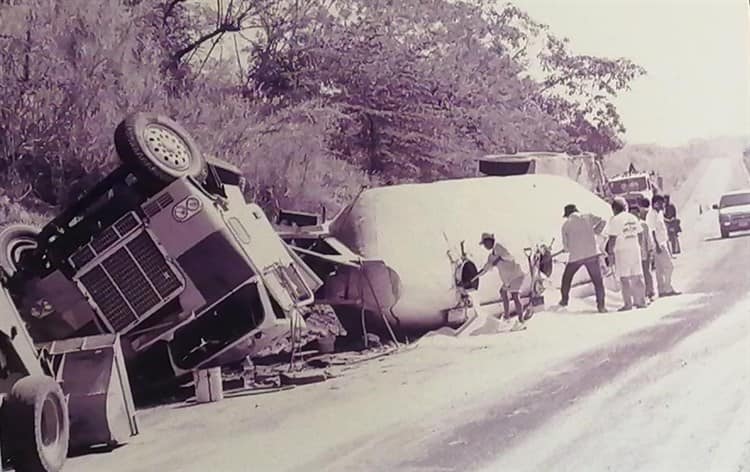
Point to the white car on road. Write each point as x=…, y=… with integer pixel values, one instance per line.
x=734, y=212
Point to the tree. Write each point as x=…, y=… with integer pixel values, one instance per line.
x=312, y=98
x=393, y=74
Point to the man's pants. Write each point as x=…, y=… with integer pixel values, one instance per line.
x=633, y=291
x=595, y=273
x=648, y=277
x=664, y=269
x=674, y=243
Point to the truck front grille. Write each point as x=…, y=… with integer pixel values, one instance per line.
x=82, y=257
x=126, y=224
x=124, y=271
x=131, y=282
x=105, y=240
x=107, y=298
x=153, y=265
x=161, y=202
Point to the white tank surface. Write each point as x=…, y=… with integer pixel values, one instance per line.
x=417, y=229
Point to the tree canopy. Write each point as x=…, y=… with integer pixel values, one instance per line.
x=311, y=98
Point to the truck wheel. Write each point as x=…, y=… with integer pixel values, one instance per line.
x=159, y=146
x=38, y=415
x=16, y=238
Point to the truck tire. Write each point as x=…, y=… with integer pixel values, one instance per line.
x=159, y=146
x=14, y=239
x=38, y=415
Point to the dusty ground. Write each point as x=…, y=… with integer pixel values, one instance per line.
x=664, y=388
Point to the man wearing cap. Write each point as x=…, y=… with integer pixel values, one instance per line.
x=511, y=275
x=579, y=241
x=624, y=249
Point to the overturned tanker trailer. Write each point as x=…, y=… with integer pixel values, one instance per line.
x=406, y=253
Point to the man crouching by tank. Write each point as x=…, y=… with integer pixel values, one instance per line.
x=511, y=275
x=624, y=248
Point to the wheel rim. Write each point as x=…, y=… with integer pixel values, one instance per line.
x=51, y=422
x=168, y=147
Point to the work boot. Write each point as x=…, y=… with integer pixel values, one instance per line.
x=625, y=308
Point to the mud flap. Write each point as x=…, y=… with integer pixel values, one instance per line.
x=93, y=376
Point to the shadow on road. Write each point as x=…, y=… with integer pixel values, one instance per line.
x=719, y=238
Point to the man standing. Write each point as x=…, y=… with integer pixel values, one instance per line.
x=647, y=247
x=663, y=257
x=625, y=250
x=579, y=241
x=673, y=225
x=511, y=275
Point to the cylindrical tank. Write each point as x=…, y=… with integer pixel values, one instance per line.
x=417, y=230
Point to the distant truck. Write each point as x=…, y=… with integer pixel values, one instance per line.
x=635, y=186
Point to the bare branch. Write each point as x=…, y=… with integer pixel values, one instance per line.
x=208, y=56
x=239, y=61
x=224, y=28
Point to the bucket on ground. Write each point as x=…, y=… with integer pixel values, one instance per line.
x=208, y=385
x=327, y=344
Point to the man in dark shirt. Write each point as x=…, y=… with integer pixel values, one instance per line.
x=673, y=225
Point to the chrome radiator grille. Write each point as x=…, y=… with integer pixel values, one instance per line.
x=130, y=282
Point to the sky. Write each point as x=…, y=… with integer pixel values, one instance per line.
x=696, y=52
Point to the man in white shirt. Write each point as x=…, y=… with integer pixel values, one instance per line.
x=625, y=250
x=647, y=246
x=662, y=258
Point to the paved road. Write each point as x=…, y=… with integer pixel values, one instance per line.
x=643, y=391
x=647, y=402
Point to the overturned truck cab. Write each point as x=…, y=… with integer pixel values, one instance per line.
x=166, y=253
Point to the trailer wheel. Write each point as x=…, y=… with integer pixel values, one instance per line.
x=16, y=238
x=38, y=415
x=159, y=146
